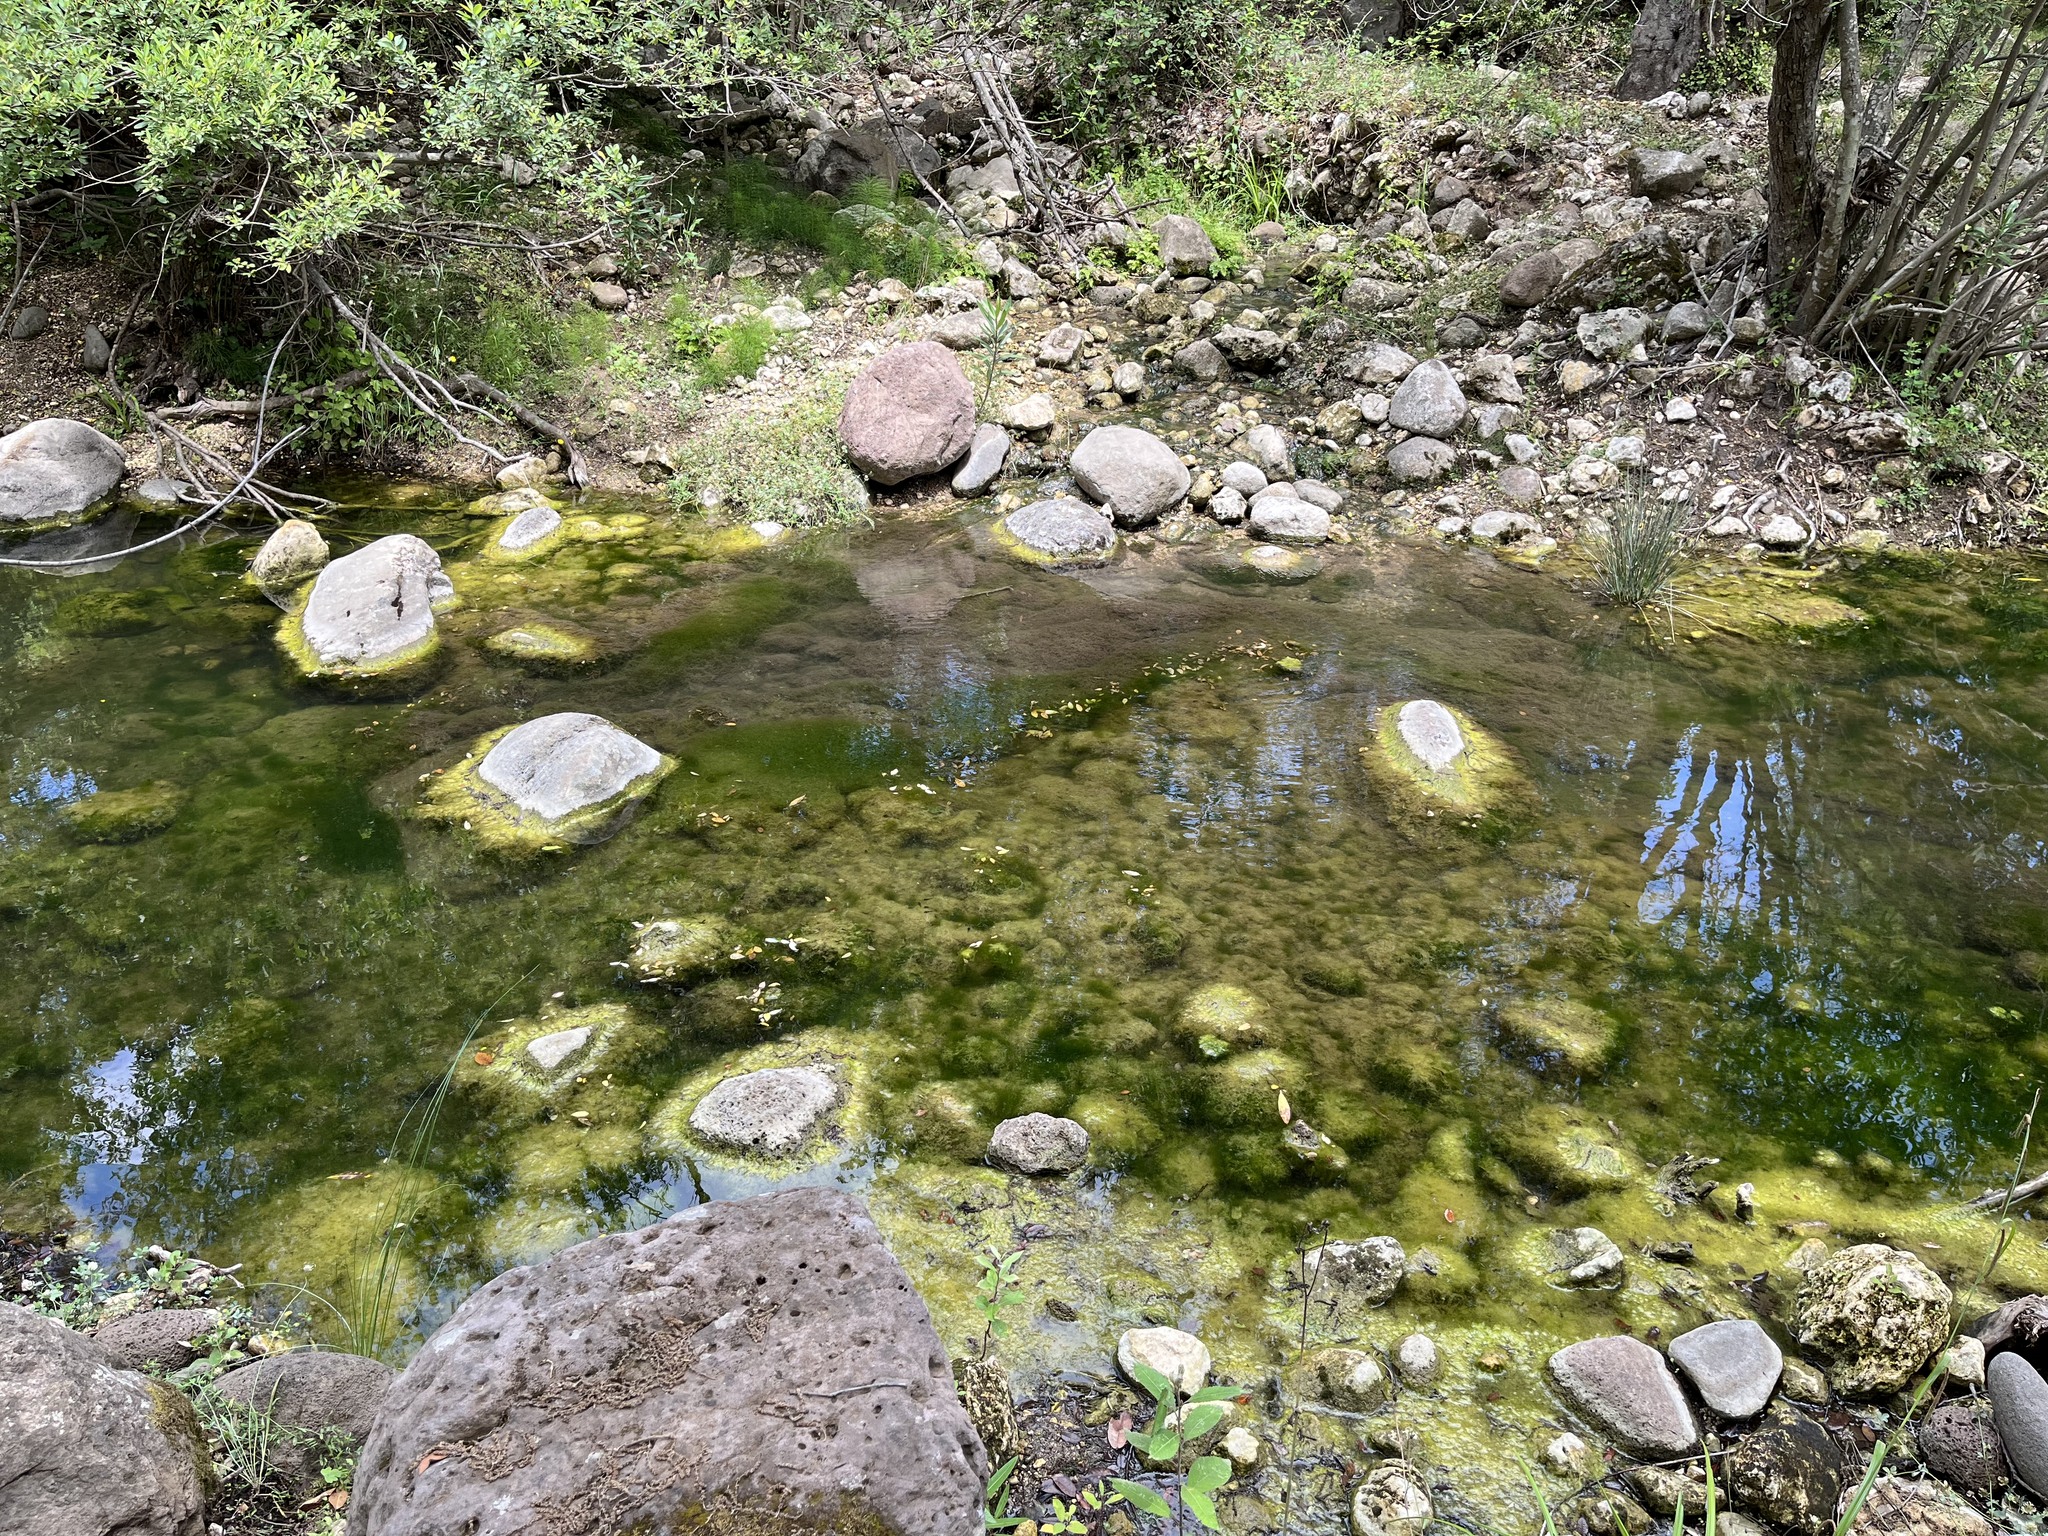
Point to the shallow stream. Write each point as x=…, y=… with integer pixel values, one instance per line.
x=981, y=832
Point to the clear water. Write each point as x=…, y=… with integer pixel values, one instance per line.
x=1807, y=883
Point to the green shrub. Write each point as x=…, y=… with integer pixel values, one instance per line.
x=745, y=202
x=779, y=462
x=1117, y=64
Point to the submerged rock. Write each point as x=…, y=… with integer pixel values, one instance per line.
x=1180, y=1357
x=88, y=1448
x=1623, y=1389
x=1056, y=533
x=910, y=414
x=291, y=555
x=563, y=778
x=1230, y=1016
x=370, y=612
x=527, y=535
x=548, y=1061
x=1361, y=1273
x=123, y=815
x=1135, y=475
x=1436, y=753
x=681, y=950
x=1733, y=1364
x=1038, y=1143
x=1788, y=1474
x=543, y=647
x=53, y=470
x=1878, y=1314
x=1580, y=1036
x=772, y=1112
x=745, y=1355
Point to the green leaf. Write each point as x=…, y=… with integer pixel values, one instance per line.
x=1000, y=1476
x=1151, y=1380
x=1217, y=1395
x=1208, y=1473
x=1140, y=1440
x=1197, y=1422
x=1203, y=1507
x=1142, y=1497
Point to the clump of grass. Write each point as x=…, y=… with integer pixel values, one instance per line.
x=1636, y=559
x=720, y=353
x=748, y=204
x=779, y=462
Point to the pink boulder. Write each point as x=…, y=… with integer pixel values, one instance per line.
x=910, y=414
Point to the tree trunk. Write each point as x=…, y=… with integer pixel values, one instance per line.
x=1666, y=44
x=1795, y=183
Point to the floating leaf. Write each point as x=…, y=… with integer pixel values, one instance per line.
x=485, y=1058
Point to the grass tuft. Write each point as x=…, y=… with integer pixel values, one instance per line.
x=1636, y=559
x=781, y=464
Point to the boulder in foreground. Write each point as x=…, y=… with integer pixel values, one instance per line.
x=745, y=1356
x=54, y=469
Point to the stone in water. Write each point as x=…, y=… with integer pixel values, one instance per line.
x=529, y=528
x=550, y=1051
x=560, y=764
x=1432, y=733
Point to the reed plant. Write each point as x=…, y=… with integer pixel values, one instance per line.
x=1635, y=560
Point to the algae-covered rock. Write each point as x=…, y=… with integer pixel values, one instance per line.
x=1245, y=1090
x=508, y=504
x=1579, y=1036
x=681, y=951
x=560, y=779
x=939, y=1120
x=1055, y=533
x=1358, y=1274
x=370, y=613
x=1573, y=1257
x=1566, y=1150
x=526, y=535
x=1350, y=1380
x=122, y=815
x=291, y=555
x=543, y=647
x=107, y=613
x=1119, y=1131
x=788, y=1102
x=1878, y=1314
x=1428, y=751
x=552, y=1060
x=1392, y=1501
x=1221, y=1018
x=1759, y=603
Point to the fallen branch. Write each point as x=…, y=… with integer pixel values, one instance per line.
x=250, y=410
x=1994, y=1198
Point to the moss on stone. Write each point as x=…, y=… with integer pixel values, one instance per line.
x=403, y=664
x=547, y=648
x=1565, y=1150
x=461, y=796
x=1561, y=1028
x=1009, y=544
x=122, y=815
x=494, y=549
x=105, y=613
x=1119, y=1131
x=683, y=951
x=1482, y=779
x=563, y=1061
x=851, y=1126
x=1245, y=1090
x=1764, y=603
x=1226, y=1014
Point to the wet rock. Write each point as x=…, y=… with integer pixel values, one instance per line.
x=1733, y=1364
x=160, y=492
x=1498, y=527
x=1569, y=1456
x=1621, y=1386
x=1180, y=1357
x=772, y=1112
x=1350, y=1380
x=1900, y=1506
x=1805, y=1382
x=1376, y=295
x=564, y=765
x=161, y=1338
x=1365, y=1272
x=680, y=950
x=1960, y=1443
x=1133, y=473
x=53, y=469
x=2019, y=1403
x=986, y=452
x=543, y=647
x=1241, y=1446
x=1226, y=1014
x=371, y=611
x=1612, y=333
x=1275, y=563
x=1582, y=1256
x=1038, y=1143
x=1491, y=376
x=1877, y=1313
x=910, y=413
x=1391, y=1502
x=1377, y=364
x=1420, y=461
x=1060, y=346
x=1687, y=321
x=1417, y=1361
x=743, y=1355
x=1529, y=281
x=1663, y=173
x=1521, y=485
x=87, y=1448
x=531, y=533
x=1289, y=520
x=1429, y=402
x=1200, y=359
x=114, y=816
x=1057, y=532
x=1184, y=246
x=1788, y=1474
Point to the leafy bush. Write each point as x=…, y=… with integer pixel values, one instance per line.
x=748, y=203
x=1117, y=64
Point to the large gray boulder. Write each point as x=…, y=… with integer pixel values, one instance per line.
x=1289, y=520
x=560, y=765
x=88, y=1450
x=161, y=1337
x=52, y=470
x=1620, y=1386
x=1878, y=1314
x=1184, y=246
x=1662, y=173
x=1134, y=474
x=873, y=150
x=372, y=610
x=1420, y=460
x=745, y=1365
x=986, y=451
x=911, y=413
x=1429, y=402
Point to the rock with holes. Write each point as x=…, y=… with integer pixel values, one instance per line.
x=1906, y=1506
x=1038, y=1143
x=910, y=414
x=370, y=612
x=742, y=1357
x=54, y=469
x=772, y=1112
x=1877, y=1313
x=86, y=1448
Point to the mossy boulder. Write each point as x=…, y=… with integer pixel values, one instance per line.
x=508, y=504
x=1119, y=1131
x=1222, y=1018
x=1877, y=1314
x=1559, y=1029
x=369, y=616
x=529, y=534
x=563, y=1061
x=547, y=648
x=799, y=1122
x=942, y=1120
x=106, y=614
x=539, y=787
x=1565, y=1150
x=1056, y=534
x=1431, y=756
x=1245, y=1090
x=123, y=815
x=682, y=951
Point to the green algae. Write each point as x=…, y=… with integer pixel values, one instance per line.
x=123, y=815
x=548, y=648
x=848, y=1128
x=1007, y=543
x=1481, y=779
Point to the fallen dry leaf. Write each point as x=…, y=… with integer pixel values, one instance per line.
x=1286, y=1110
x=485, y=1058
x=1117, y=1429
